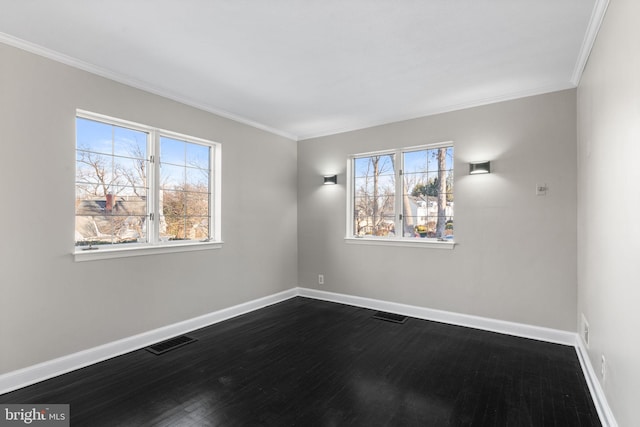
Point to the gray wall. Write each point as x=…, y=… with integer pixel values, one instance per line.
x=51, y=306
x=516, y=258
x=609, y=206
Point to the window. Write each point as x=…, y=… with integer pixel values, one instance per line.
x=141, y=188
x=402, y=195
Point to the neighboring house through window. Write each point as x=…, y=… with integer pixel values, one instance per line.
x=140, y=187
x=404, y=194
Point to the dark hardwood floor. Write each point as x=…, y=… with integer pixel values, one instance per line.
x=304, y=362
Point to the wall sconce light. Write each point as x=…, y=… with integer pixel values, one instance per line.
x=480, y=167
x=330, y=179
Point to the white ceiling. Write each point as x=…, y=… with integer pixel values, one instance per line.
x=315, y=67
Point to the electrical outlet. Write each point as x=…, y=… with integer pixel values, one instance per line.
x=320, y=279
x=603, y=368
x=585, y=331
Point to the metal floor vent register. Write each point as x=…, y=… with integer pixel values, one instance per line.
x=390, y=317
x=170, y=344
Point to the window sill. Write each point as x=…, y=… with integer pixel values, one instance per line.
x=413, y=243
x=125, y=252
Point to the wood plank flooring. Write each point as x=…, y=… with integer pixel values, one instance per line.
x=304, y=362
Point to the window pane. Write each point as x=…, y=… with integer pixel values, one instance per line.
x=198, y=156
x=176, y=229
x=112, y=186
x=96, y=168
x=425, y=186
x=109, y=229
x=87, y=205
x=172, y=177
x=173, y=204
x=367, y=166
x=374, y=196
x=363, y=186
x=185, y=215
x=197, y=180
x=172, y=151
x=428, y=193
x=133, y=173
x=197, y=204
x=415, y=161
x=129, y=143
x=111, y=191
x=197, y=228
x=187, y=228
x=433, y=160
x=185, y=179
x=94, y=136
x=361, y=167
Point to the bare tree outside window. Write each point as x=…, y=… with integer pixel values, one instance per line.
x=185, y=195
x=374, y=196
x=115, y=167
x=429, y=192
x=421, y=177
x=111, y=183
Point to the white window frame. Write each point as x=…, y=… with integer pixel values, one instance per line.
x=350, y=238
x=155, y=245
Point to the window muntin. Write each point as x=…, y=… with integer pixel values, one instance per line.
x=403, y=194
x=374, y=195
x=185, y=191
x=138, y=186
x=111, y=184
x=428, y=193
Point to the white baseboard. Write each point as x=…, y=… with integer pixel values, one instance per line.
x=493, y=325
x=597, y=394
x=52, y=368
x=510, y=328
x=42, y=371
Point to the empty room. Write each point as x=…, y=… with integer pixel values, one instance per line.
x=336, y=213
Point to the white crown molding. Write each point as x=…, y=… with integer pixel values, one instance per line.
x=138, y=84
x=135, y=83
x=597, y=16
x=52, y=368
x=597, y=394
x=120, y=78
